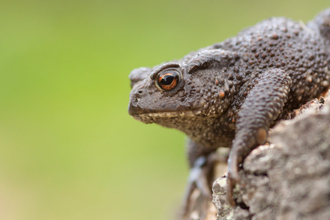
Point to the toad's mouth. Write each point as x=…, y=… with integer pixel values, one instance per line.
x=190, y=113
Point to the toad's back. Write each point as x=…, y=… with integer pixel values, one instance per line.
x=301, y=51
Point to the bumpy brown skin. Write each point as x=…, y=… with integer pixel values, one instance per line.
x=231, y=93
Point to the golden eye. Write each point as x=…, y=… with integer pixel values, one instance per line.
x=168, y=80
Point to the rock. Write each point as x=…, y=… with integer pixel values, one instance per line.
x=289, y=178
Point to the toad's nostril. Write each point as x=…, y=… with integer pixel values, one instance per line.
x=140, y=91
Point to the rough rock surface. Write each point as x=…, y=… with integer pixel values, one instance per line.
x=289, y=178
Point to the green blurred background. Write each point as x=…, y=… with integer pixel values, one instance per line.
x=68, y=148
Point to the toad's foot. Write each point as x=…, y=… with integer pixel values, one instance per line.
x=200, y=178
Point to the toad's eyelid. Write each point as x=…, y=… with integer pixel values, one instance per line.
x=154, y=74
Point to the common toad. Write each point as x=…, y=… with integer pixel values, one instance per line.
x=230, y=94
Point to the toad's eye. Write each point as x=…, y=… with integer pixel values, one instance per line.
x=168, y=80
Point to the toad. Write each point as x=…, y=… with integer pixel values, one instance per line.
x=231, y=93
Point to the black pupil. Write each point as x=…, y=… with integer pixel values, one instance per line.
x=167, y=79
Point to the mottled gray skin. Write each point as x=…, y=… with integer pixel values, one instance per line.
x=232, y=92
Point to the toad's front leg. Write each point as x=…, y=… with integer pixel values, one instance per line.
x=261, y=107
